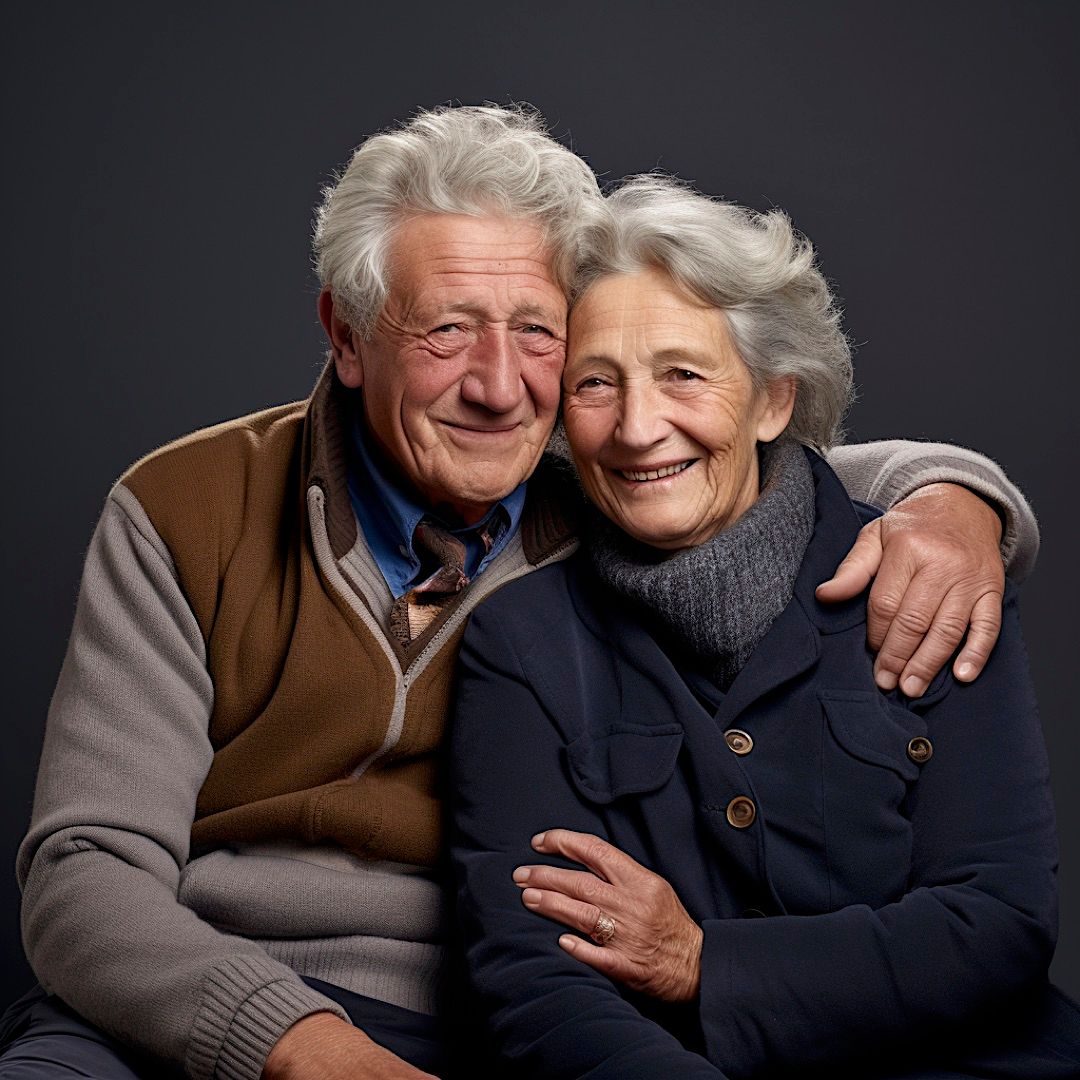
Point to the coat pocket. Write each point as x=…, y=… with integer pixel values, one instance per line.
x=865, y=726
x=625, y=759
x=867, y=775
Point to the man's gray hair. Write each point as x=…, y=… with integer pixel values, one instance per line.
x=475, y=160
x=755, y=267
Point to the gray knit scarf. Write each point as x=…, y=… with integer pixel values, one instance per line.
x=720, y=598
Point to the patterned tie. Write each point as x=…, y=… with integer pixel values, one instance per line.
x=442, y=557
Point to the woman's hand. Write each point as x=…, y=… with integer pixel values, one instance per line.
x=655, y=947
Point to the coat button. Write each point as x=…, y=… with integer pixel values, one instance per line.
x=739, y=742
x=920, y=750
x=741, y=812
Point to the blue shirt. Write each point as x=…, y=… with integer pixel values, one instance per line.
x=388, y=515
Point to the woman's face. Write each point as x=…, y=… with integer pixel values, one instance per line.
x=660, y=411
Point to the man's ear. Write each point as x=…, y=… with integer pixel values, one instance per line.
x=778, y=401
x=342, y=338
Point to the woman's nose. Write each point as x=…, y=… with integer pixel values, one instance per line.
x=641, y=420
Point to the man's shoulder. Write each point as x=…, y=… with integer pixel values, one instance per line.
x=218, y=462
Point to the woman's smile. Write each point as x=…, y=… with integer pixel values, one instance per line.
x=648, y=474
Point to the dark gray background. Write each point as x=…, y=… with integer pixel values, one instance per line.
x=160, y=169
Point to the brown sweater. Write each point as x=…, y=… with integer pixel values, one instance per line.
x=291, y=659
x=240, y=778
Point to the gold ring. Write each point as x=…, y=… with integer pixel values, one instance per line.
x=604, y=930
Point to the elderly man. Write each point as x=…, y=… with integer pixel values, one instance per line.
x=233, y=867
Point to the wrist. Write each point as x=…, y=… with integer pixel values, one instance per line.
x=958, y=496
x=691, y=987
x=293, y=1050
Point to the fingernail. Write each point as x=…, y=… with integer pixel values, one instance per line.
x=913, y=686
x=531, y=897
x=568, y=942
x=886, y=680
x=538, y=840
x=521, y=874
x=965, y=671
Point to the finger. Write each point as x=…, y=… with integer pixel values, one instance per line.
x=562, y=909
x=858, y=568
x=902, y=623
x=603, y=958
x=982, y=636
x=577, y=884
x=947, y=630
x=606, y=861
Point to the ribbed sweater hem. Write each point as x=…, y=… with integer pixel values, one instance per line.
x=246, y=1007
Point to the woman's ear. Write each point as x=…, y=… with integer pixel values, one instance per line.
x=776, y=405
x=342, y=338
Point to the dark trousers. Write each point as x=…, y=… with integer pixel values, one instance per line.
x=40, y=1037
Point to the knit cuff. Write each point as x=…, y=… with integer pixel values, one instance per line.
x=1020, y=531
x=247, y=1005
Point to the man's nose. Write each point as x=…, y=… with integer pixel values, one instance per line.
x=494, y=376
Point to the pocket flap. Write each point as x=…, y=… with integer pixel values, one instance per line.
x=626, y=760
x=864, y=725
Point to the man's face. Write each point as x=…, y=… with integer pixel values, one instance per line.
x=461, y=376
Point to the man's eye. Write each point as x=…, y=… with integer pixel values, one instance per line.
x=595, y=383
x=447, y=328
x=535, y=328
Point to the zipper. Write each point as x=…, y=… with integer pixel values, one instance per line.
x=563, y=551
x=324, y=557
x=403, y=679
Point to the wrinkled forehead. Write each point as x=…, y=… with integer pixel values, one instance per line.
x=458, y=251
x=643, y=312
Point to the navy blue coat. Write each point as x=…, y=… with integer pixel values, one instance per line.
x=903, y=902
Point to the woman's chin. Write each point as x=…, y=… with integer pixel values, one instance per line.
x=663, y=534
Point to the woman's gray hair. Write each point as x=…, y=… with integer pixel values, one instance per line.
x=755, y=267
x=475, y=160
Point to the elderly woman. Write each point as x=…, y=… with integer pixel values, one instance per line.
x=763, y=862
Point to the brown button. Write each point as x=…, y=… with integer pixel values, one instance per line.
x=739, y=742
x=920, y=750
x=741, y=812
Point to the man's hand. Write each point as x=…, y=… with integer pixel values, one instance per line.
x=940, y=575
x=655, y=947
x=324, y=1047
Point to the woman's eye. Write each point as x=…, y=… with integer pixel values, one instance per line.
x=685, y=375
x=535, y=328
x=594, y=383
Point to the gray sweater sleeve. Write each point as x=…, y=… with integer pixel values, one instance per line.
x=882, y=473
x=126, y=752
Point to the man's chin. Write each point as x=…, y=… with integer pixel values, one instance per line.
x=477, y=486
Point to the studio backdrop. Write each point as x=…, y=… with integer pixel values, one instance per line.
x=161, y=163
